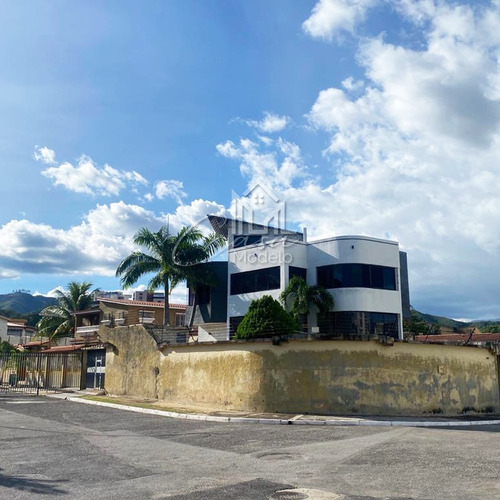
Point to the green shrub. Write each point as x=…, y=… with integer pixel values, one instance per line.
x=266, y=318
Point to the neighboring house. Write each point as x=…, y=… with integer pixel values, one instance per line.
x=18, y=332
x=124, y=313
x=473, y=338
x=368, y=277
x=15, y=331
x=143, y=295
x=3, y=328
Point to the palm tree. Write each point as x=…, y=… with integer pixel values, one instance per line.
x=301, y=296
x=58, y=320
x=172, y=259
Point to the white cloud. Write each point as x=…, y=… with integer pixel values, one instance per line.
x=270, y=123
x=195, y=213
x=414, y=156
x=281, y=164
x=329, y=17
x=179, y=295
x=170, y=189
x=418, y=157
x=95, y=246
x=87, y=177
x=45, y=155
x=352, y=85
x=418, y=11
x=51, y=293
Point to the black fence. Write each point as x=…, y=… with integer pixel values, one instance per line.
x=34, y=372
x=168, y=334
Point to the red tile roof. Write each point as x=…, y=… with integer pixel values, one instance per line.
x=459, y=337
x=64, y=348
x=35, y=343
x=142, y=303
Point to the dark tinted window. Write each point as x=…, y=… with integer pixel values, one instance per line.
x=255, y=281
x=203, y=295
x=357, y=275
x=297, y=271
x=356, y=323
x=203, y=292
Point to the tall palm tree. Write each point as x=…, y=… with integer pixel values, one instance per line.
x=300, y=296
x=58, y=320
x=172, y=258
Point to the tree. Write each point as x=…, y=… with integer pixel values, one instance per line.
x=58, y=320
x=5, y=347
x=265, y=318
x=172, y=258
x=417, y=325
x=300, y=297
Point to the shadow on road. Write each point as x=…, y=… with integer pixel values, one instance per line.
x=38, y=486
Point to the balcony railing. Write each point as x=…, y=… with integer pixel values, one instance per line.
x=87, y=330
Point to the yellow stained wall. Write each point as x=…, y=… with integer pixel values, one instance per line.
x=132, y=363
x=328, y=377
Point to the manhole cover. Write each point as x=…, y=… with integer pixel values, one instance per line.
x=288, y=495
x=305, y=493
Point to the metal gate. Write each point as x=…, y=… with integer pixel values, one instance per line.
x=96, y=369
x=33, y=372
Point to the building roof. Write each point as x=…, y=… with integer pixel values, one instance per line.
x=36, y=343
x=20, y=325
x=459, y=338
x=160, y=305
x=87, y=311
x=64, y=348
x=221, y=226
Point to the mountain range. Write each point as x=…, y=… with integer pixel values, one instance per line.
x=24, y=303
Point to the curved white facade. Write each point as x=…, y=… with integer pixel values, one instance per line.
x=259, y=262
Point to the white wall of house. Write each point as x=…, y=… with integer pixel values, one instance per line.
x=359, y=250
x=279, y=252
x=3, y=328
x=337, y=250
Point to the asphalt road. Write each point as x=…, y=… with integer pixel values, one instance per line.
x=52, y=448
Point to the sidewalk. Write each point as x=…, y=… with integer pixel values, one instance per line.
x=154, y=407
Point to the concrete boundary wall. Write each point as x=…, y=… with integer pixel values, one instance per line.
x=323, y=377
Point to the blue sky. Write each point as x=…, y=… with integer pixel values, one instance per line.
x=367, y=117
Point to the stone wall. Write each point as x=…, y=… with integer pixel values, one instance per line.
x=132, y=363
x=328, y=377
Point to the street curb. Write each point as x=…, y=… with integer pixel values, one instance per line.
x=275, y=421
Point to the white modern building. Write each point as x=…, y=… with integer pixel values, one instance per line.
x=367, y=277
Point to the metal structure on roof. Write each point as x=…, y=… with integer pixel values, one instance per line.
x=224, y=225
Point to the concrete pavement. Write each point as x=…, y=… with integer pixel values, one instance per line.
x=196, y=413
x=53, y=448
